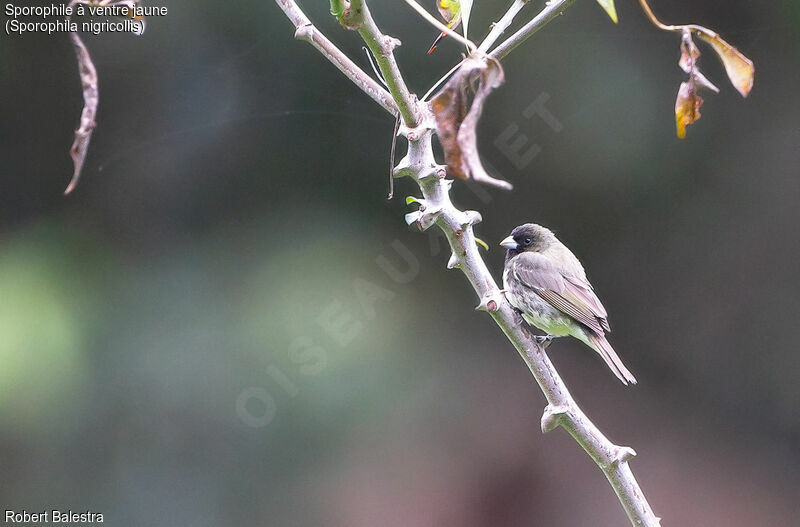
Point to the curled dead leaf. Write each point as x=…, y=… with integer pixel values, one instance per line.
x=687, y=107
x=739, y=68
x=83, y=134
x=457, y=118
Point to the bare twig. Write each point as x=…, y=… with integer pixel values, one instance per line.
x=656, y=22
x=550, y=11
x=501, y=25
x=420, y=165
x=382, y=48
x=305, y=30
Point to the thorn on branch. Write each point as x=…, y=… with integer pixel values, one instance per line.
x=624, y=454
x=436, y=172
x=452, y=263
x=473, y=217
x=305, y=32
x=422, y=219
x=389, y=44
x=552, y=417
x=490, y=302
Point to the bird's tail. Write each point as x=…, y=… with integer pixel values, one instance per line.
x=601, y=346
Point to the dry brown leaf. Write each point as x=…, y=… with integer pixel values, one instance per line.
x=450, y=109
x=687, y=107
x=83, y=134
x=457, y=119
x=740, y=69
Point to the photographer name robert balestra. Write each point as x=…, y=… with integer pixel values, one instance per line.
x=52, y=516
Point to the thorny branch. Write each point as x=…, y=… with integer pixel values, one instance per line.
x=436, y=208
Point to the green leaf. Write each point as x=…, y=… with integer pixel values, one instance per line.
x=481, y=243
x=410, y=200
x=608, y=5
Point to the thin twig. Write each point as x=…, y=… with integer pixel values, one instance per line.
x=440, y=81
x=305, y=30
x=656, y=22
x=371, y=61
x=501, y=25
x=694, y=28
x=550, y=11
x=382, y=48
x=392, y=158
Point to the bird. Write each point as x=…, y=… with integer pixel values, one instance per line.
x=451, y=13
x=546, y=283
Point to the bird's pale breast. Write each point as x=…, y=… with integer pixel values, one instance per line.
x=537, y=311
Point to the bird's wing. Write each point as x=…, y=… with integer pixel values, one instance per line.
x=571, y=295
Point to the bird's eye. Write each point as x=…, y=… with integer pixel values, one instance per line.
x=527, y=241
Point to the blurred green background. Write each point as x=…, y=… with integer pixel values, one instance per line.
x=166, y=354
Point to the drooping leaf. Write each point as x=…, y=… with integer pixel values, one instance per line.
x=688, y=62
x=739, y=68
x=83, y=134
x=608, y=5
x=687, y=104
x=457, y=118
x=481, y=243
x=687, y=107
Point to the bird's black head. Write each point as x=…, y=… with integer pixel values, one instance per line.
x=528, y=237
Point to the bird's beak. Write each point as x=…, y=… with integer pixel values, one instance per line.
x=509, y=243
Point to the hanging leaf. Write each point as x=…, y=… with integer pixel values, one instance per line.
x=457, y=118
x=687, y=107
x=608, y=5
x=740, y=69
x=83, y=134
x=481, y=243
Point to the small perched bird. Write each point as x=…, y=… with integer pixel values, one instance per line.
x=547, y=283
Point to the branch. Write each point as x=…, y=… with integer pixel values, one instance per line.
x=382, y=48
x=561, y=410
x=550, y=11
x=437, y=209
x=500, y=27
x=305, y=30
